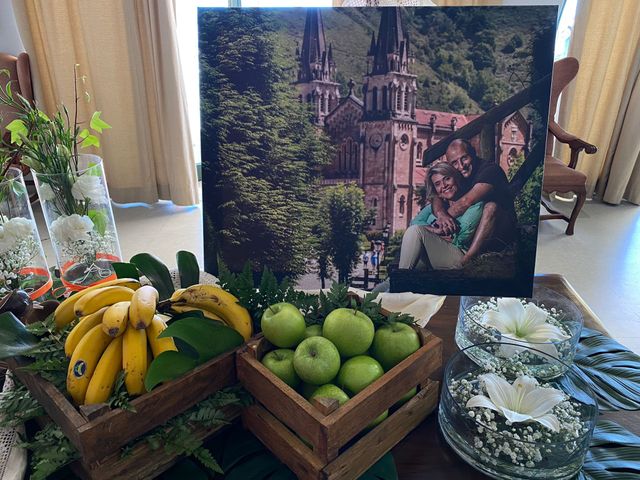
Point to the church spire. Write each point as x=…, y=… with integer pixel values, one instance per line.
x=315, y=62
x=391, y=52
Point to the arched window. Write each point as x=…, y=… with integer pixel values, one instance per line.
x=514, y=133
x=350, y=154
x=374, y=99
x=419, y=151
x=357, y=159
x=384, y=97
x=344, y=157
x=398, y=98
x=406, y=100
x=402, y=201
x=513, y=155
x=375, y=202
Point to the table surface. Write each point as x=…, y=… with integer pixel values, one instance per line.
x=424, y=452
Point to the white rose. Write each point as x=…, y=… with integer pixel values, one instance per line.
x=88, y=186
x=19, y=227
x=71, y=228
x=46, y=192
x=6, y=240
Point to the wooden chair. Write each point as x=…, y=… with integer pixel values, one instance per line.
x=559, y=177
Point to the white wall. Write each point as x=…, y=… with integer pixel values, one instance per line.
x=9, y=37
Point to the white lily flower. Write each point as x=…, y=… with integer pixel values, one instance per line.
x=522, y=401
x=526, y=325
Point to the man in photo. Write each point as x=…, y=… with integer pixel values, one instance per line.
x=471, y=212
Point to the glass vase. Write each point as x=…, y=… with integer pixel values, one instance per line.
x=22, y=261
x=524, y=448
x=78, y=213
x=562, y=315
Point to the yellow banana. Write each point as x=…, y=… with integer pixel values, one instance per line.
x=65, y=312
x=83, y=362
x=220, y=302
x=134, y=359
x=143, y=307
x=104, y=378
x=80, y=330
x=206, y=313
x=102, y=297
x=175, y=295
x=115, y=319
x=159, y=345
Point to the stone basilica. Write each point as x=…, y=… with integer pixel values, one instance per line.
x=382, y=136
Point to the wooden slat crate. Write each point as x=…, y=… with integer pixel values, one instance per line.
x=281, y=416
x=98, y=434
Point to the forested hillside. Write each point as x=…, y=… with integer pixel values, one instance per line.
x=466, y=59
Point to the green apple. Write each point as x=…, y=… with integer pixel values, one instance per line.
x=379, y=419
x=406, y=397
x=350, y=330
x=306, y=390
x=316, y=360
x=357, y=373
x=330, y=391
x=393, y=343
x=283, y=325
x=313, y=331
x=280, y=362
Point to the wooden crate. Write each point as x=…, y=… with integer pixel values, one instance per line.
x=281, y=415
x=97, y=431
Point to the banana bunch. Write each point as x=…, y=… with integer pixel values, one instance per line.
x=117, y=330
x=216, y=304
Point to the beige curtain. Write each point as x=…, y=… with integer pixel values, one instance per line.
x=127, y=50
x=602, y=104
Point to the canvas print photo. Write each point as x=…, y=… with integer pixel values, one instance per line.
x=394, y=149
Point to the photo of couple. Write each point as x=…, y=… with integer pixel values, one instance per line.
x=390, y=149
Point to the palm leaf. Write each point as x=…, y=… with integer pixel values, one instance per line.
x=610, y=369
x=614, y=454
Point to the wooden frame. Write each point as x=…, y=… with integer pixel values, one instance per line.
x=281, y=416
x=97, y=431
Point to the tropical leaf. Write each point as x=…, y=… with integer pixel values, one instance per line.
x=610, y=369
x=125, y=270
x=188, y=268
x=614, y=454
x=156, y=272
x=15, y=339
x=168, y=366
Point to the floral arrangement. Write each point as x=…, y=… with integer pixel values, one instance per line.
x=18, y=246
x=524, y=327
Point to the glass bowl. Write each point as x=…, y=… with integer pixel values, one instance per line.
x=519, y=450
x=562, y=314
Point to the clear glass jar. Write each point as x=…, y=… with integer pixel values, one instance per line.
x=562, y=314
x=22, y=261
x=78, y=213
x=518, y=450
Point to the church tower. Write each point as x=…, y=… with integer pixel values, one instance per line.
x=389, y=127
x=317, y=69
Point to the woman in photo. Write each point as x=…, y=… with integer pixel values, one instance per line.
x=424, y=244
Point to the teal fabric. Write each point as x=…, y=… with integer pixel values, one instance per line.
x=468, y=222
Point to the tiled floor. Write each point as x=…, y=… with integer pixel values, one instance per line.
x=601, y=261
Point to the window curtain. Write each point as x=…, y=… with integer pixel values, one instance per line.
x=127, y=51
x=602, y=105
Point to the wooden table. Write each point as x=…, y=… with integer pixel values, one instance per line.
x=424, y=452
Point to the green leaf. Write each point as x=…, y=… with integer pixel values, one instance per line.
x=610, y=369
x=43, y=116
x=84, y=133
x=97, y=123
x=156, y=272
x=383, y=469
x=18, y=130
x=125, y=270
x=188, y=268
x=15, y=339
x=614, y=454
x=100, y=220
x=168, y=366
x=90, y=141
x=208, y=338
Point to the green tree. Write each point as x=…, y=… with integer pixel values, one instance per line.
x=261, y=153
x=527, y=201
x=342, y=218
x=482, y=56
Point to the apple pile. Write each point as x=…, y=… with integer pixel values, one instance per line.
x=337, y=359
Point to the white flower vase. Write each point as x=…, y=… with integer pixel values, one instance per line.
x=22, y=261
x=78, y=213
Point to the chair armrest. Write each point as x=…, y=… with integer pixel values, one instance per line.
x=574, y=142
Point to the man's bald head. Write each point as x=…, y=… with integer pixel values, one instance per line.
x=461, y=155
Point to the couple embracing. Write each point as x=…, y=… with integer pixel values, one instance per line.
x=471, y=212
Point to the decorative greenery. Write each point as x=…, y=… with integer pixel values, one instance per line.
x=120, y=398
x=15, y=339
x=17, y=406
x=188, y=268
x=156, y=272
x=49, y=359
x=614, y=454
x=50, y=451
